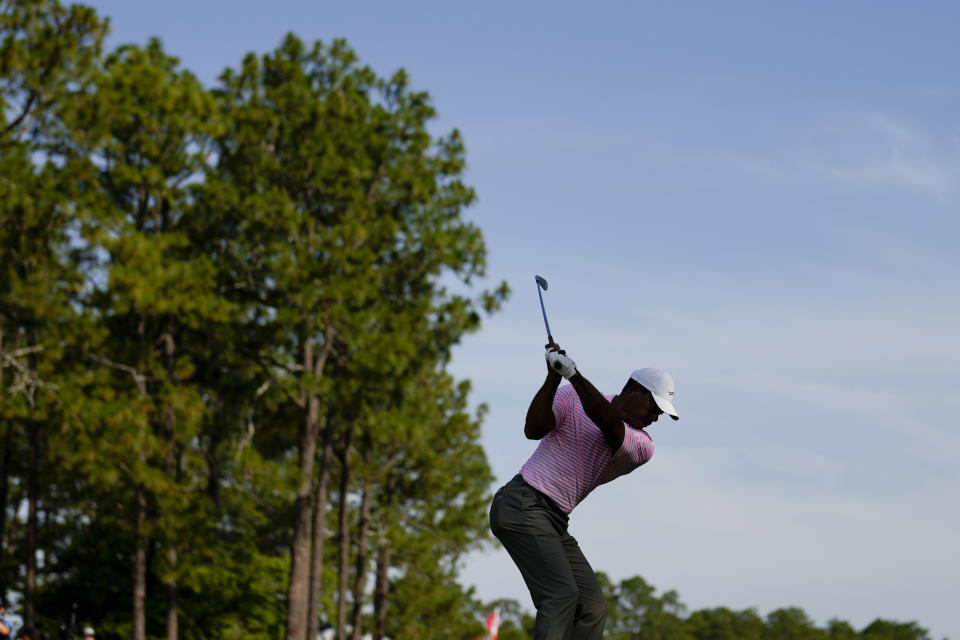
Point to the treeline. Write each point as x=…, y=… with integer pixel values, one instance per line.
x=225, y=318
x=636, y=612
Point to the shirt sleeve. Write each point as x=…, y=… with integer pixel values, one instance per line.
x=637, y=449
x=562, y=402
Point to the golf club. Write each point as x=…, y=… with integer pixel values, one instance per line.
x=542, y=284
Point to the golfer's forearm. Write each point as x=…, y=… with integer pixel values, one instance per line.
x=540, y=419
x=598, y=409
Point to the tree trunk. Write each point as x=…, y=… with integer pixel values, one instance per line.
x=172, y=617
x=319, y=531
x=360, y=578
x=140, y=569
x=382, y=586
x=4, y=499
x=4, y=477
x=299, y=590
x=140, y=531
x=298, y=593
x=173, y=470
x=381, y=589
x=344, y=565
x=33, y=490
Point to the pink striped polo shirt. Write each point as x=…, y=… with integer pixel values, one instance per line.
x=575, y=458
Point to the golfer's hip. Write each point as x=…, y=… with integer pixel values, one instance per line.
x=517, y=507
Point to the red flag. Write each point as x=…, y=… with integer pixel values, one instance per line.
x=493, y=624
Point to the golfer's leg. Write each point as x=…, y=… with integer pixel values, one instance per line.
x=530, y=535
x=543, y=564
x=591, y=612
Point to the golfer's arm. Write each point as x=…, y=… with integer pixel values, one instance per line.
x=599, y=410
x=540, y=417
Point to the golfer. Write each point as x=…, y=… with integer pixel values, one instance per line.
x=586, y=439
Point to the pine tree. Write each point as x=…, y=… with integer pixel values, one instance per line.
x=336, y=193
x=45, y=51
x=145, y=128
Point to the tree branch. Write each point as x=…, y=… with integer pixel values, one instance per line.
x=25, y=379
x=140, y=379
x=23, y=114
x=290, y=396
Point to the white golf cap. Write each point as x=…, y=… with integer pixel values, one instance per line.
x=88, y=631
x=660, y=385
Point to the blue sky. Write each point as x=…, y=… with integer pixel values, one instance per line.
x=758, y=197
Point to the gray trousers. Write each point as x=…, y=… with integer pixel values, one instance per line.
x=570, y=604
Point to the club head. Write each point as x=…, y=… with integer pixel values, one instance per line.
x=542, y=282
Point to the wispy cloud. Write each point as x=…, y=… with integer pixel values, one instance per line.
x=893, y=156
x=872, y=152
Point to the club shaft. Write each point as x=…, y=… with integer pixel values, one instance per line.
x=544, y=311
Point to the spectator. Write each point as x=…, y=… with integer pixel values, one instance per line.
x=5, y=627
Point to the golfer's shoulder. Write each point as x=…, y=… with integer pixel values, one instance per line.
x=637, y=444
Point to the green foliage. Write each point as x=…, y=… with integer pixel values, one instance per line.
x=343, y=213
x=840, y=630
x=791, y=624
x=889, y=630
x=723, y=624
x=46, y=51
x=171, y=256
x=636, y=612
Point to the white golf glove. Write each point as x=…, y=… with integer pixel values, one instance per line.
x=562, y=364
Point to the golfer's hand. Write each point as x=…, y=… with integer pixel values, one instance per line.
x=561, y=363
